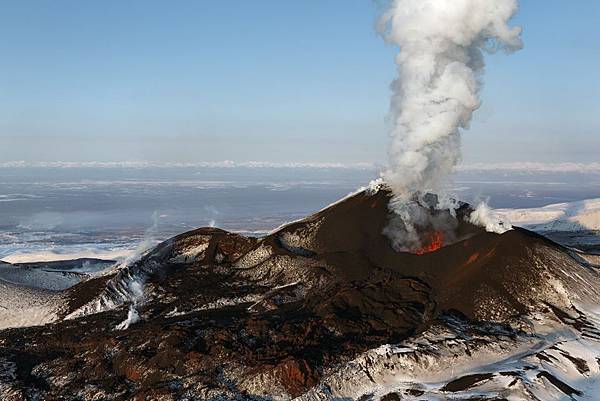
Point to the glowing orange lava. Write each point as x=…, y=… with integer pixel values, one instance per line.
x=434, y=242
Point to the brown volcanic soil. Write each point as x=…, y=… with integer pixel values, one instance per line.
x=230, y=316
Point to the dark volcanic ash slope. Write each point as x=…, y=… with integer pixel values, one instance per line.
x=322, y=308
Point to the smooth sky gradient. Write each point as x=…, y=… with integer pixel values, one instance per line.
x=270, y=80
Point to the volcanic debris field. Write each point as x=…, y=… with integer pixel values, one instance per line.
x=320, y=309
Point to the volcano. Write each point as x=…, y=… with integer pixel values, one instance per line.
x=322, y=309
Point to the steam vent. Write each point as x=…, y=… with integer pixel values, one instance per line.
x=322, y=309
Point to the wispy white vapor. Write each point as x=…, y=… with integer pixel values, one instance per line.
x=136, y=295
x=148, y=241
x=440, y=66
x=486, y=217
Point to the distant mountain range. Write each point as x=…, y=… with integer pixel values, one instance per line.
x=510, y=167
x=570, y=216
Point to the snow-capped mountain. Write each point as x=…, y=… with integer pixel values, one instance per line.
x=571, y=216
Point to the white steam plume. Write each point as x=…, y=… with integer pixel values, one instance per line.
x=136, y=295
x=485, y=217
x=147, y=242
x=439, y=77
x=440, y=66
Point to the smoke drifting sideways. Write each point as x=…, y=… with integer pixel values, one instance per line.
x=440, y=70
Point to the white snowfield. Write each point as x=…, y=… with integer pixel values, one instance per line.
x=32, y=296
x=572, y=216
x=27, y=256
x=22, y=306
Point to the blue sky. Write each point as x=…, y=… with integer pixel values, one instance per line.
x=279, y=81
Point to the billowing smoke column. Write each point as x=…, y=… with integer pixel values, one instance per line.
x=440, y=66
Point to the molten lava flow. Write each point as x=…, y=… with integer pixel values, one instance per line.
x=435, y=242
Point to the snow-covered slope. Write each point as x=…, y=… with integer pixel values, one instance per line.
x=571, y=216
x=34, y=294
x=25, y=306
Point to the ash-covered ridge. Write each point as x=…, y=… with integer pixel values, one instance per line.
x=321, y=309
